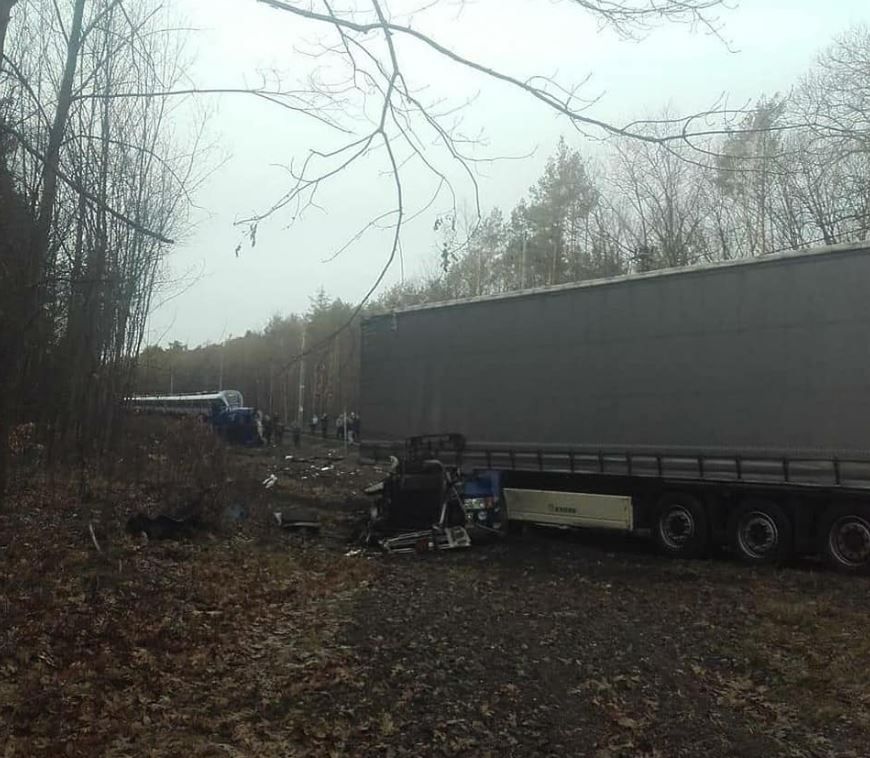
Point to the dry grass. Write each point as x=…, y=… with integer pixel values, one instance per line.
x=161, y=648
x=815, y=654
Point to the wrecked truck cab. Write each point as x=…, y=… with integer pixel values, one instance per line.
x=418, y=506
x=482, y=501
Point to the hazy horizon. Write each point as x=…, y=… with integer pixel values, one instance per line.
x=764, y=49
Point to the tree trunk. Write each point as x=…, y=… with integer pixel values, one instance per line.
x=5, y=11
x=5, y=338
x=28, y=353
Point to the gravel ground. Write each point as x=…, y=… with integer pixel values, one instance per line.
x=554, y=646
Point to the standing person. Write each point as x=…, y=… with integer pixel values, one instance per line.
x=296, y=433
x=314, y=422
x=339, y=426
x=268, y=429
x=258, y=422
x=278, y=430
x=355, y=427
x=324, y=424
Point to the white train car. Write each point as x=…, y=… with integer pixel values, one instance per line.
x=208, y=404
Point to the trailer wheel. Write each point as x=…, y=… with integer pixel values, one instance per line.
x=761, y=532
x=845, y=538
x=681, y=526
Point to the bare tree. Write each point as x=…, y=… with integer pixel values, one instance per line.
x=834, y=97
x=371, y=45
x=826, y=178
x=661, y=194
x=107, y=189
x=5, y=12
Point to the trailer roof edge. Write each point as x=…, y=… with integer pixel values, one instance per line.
x=658, y=273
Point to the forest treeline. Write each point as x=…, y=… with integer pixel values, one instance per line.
x=793, y=171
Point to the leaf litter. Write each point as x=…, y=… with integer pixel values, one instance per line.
x=247, y=641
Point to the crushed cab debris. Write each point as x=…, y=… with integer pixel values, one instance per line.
x=417, y=507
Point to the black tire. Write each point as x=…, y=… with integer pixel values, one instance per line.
x=761, y=532
x=680, y=526
x=845, y=539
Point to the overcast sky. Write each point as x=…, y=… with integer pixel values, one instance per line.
x=216, y=294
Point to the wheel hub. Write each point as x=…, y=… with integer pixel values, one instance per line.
x=758, y=535
x=850, y=541
x=677, y=526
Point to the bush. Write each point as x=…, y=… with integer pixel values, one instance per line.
x=183, y=460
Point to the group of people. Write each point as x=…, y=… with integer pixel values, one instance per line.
x=270, y=429
x=346, y=424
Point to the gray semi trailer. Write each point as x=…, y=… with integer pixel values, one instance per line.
x=726, y=403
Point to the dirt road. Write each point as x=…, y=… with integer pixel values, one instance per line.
x=555, y=646
x=551, y=643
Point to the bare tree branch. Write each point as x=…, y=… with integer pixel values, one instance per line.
x=80, y=189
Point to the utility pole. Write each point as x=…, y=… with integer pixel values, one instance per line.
x=300, y=407
x=342, y=400
x=221, y=374
x=523, y=264
x=285, y=390
x=223, y=347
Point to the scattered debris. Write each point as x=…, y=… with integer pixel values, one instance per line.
x=94, y=538
x=307, y=523
x=269, y=481
x=374, y=489
x=437, y=538
x=161, y=527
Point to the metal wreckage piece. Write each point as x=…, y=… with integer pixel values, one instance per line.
x=418, y=508
x=436, y=538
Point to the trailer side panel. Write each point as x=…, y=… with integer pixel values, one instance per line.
x=771, y=357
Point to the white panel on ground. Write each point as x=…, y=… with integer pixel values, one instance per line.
x=569, y=508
